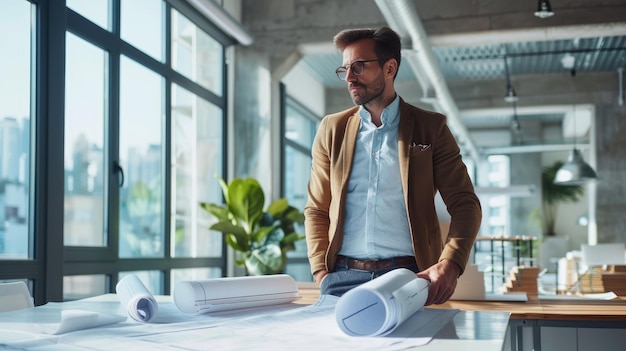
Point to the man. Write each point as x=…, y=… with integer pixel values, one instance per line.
x=375, y=172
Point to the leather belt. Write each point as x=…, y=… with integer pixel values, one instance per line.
x=376, y=265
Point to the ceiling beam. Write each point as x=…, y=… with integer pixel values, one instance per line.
x=528, y=35
x=402, y=17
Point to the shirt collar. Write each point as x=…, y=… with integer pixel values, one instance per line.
x=389, y=116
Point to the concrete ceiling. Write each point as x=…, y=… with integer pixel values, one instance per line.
x=475, y=63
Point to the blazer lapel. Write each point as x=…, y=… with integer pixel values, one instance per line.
x=405, y=143
x=350, y=136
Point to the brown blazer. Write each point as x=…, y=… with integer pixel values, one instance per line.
x=430, y=161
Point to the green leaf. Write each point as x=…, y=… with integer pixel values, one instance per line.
x=288, y=242
x=236, y=236
x=259, y=235
x=231, y=240
x=555, y=194
x=265, y=260
x=275, y=236
x=246, y=200
x=219, y=212
x=294, y=215
x=292, y=238
x=223, y=185
x=240, y=262
x=277, y=207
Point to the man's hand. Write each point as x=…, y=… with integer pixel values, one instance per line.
x=319, y=276
x=443, y=277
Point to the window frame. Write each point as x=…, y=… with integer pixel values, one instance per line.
x=51, y=260
x=288, y=101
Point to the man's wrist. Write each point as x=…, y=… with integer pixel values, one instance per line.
x=453, y=265
x=319, y=275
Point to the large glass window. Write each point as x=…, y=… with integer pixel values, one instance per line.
x=196, y=55
x=496, y=224
x=127, y=118
x=84, y=143
x=141, y=159
x=300, y=125
x=129, y=130
x=143, y=115
x=197, y=157
x=97, y=11
x=15, y=129
x=142, y=26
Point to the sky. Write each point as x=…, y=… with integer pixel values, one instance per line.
x=142, y=118
x=14, y=59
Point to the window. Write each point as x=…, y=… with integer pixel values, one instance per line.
x=85, y=84
x=300, y=126
x=197, y=149
x=495, y=257
x=16, y=125
x=130, y=141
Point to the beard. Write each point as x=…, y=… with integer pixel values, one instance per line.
x=370, y=93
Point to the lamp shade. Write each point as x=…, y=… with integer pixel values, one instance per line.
x=575, y=171
x=510, y=96
x=544, y=9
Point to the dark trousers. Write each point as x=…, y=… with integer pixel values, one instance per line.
x=343, y=278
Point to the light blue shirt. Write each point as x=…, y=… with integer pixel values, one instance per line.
x=376, y=223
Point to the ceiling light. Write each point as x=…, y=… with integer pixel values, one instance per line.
x=516, y=128
x=544, y=9
x=510, y=96
x=568, y=60
x=575, y=171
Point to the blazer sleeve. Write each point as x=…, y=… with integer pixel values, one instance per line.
x=316, y=211
x=457, y=191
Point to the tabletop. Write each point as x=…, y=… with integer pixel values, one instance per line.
x=278, y=327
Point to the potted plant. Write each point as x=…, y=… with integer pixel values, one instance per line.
x=554, y=195
x=262, y=238
x=552, y=246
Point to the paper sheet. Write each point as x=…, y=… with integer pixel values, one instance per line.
x=14, y=296
x=277, y=327
x=73, y=320
x=221, y=294
x=138, y=300
x=306, y=328
x=379, y=306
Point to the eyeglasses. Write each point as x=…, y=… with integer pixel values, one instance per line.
x=357, y=67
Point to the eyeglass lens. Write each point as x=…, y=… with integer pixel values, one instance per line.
x=356, y=67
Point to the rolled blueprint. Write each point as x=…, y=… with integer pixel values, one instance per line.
x=138, y=300
x=221, y=294
x=379, y=306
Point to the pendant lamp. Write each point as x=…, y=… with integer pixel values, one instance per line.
x=575, y=171
x=510, y=96
x=544, y=9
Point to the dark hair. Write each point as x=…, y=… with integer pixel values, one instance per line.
x=387, y=42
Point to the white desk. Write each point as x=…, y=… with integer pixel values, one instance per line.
x=468, y=330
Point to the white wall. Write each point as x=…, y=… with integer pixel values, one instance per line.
x=303, y=87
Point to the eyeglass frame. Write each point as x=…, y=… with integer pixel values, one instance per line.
x=345, y=68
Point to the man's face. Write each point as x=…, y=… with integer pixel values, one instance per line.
x=370, y=84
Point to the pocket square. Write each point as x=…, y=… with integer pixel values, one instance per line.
x=421, y=147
